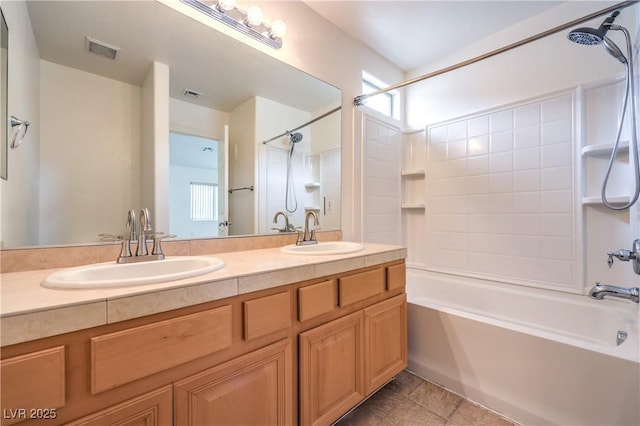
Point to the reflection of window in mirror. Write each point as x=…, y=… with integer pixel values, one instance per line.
x=387, y=103
x=4, y=54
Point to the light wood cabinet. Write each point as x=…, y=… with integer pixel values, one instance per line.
x=32, y=383
x=152, y=409
x=345, y=360
x=254, y=389
x=385, y=340
x=331, y=369
x=302, y=353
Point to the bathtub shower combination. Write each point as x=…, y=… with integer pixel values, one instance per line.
x=507, y=235
x=536, y=356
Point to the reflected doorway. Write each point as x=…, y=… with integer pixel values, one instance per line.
x=197, y=186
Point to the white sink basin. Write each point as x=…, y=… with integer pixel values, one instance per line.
x=111, y=274
x=329, y=247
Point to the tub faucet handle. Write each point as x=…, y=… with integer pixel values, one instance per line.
x=625, y=255
x=621, y=254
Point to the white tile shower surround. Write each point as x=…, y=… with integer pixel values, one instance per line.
x=323, y=168
x=500, y=194
x=381, y=177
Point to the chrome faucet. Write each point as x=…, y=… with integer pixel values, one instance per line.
x=288, y=227
x=126, y=242
x=600, y=291
x=308, y=236
x=140, y=234
x=145, y=228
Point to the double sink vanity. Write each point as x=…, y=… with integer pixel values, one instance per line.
x=283, y=335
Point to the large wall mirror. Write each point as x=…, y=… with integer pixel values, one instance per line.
x=4, y=118
x=96, y=64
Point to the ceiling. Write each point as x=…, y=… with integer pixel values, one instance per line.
x=412, y=33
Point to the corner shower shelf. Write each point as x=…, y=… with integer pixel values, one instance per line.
x=420, y=172
x=604, y=149
x=312, y=208
x=621, y=199
x=412, y=205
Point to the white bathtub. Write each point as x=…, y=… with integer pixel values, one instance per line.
x=537, y=357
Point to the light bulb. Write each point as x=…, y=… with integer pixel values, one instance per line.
x=225, y=5
x=254, y=16
x=278, y=29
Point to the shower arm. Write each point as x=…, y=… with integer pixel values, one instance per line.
x=359, y=100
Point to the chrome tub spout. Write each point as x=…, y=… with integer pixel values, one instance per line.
x=600, y=291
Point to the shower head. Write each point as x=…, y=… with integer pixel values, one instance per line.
x=587, y=36
x=295, y=137
x=593, y=36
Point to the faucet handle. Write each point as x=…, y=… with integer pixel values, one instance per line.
x=622, y=254
x=157, y=240
x=110, y=237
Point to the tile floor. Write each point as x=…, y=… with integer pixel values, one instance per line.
x=411, y=401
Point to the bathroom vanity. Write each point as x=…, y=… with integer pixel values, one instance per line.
x=285, y=339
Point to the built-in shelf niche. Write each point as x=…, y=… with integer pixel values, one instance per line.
x=605, y=149
x=620, y=199
x=413, y=173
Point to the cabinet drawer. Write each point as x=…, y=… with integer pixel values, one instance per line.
x=35, y=380
x=128, y=355
x=316, y=300
x=396, y=276
x=355, y=288
x=267, y=315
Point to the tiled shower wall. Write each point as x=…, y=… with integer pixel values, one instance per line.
x=381, y=181
x=501, y=195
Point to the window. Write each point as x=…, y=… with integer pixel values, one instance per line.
x=204, y=201
x=387, y=103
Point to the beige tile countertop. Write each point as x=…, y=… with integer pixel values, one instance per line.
x=28, y=311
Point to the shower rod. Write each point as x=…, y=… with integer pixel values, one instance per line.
x=288, y=132
x=359, y=100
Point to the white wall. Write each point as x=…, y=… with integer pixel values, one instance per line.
x=93, y=130
x=155, y=145
x=191, y=119
x=21, y=189
x=547, y=65
x=242, y=169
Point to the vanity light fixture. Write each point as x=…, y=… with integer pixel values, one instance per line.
x=249, y=22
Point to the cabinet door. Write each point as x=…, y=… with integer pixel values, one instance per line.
x=331, y=370
x=151, y=409
x=385, y=331
x=254, y=389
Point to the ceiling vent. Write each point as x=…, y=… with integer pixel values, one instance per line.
x=191, y=94
x=101, y=48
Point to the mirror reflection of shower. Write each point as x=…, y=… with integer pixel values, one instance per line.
x=290, y=200
x=595, y=36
